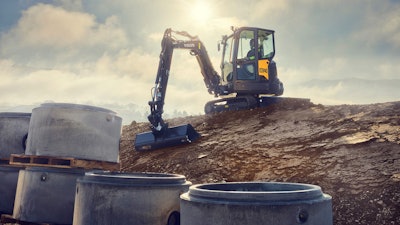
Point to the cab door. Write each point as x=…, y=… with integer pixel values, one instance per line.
x=246, y=57
x=254, y=50
x=266, y=52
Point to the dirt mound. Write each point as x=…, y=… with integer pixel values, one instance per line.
x=351, y=151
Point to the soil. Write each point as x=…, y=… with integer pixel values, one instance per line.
x=351, y=151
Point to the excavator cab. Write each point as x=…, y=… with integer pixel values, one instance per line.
x=247, y=70
x=247, y=66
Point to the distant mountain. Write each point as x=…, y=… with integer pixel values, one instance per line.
x=357, y=90
x=330, y=92
x=128, y=112
x=18, y=108
x=355, y=81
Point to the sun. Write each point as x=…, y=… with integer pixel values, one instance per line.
x=201, y=12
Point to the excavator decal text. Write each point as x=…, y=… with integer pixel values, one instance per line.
x=189, y=45
x=263, y=68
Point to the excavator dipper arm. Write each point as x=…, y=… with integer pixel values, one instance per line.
x=197, y=49
x=162, y=135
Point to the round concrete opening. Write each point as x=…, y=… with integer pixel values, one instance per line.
x=71, y=130
x=46, y=195
x=9, y=179
x=13, y=133
x=104, y=198
x=256, y=203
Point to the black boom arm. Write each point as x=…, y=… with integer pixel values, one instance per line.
x=168, y=44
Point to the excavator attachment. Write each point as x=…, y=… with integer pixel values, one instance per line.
x=172, y=136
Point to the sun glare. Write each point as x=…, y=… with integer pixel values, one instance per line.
x=201, y=12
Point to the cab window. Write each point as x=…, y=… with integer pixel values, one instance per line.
x=246, y=40
x=226, y=64
x=266, y=44
x=246, y=55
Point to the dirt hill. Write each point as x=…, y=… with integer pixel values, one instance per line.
x=351, y=151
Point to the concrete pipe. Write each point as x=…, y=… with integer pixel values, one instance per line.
x=13, y=133
x=46, y=195
x=112, y=198
x=9, y=179
x=256, y=203
x=78, y=131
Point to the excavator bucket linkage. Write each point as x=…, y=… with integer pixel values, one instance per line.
x=172, y=136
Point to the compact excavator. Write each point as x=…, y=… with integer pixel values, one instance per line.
x=248, y=80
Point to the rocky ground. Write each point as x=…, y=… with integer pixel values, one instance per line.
x=351, y=151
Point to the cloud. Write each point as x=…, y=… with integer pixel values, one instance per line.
x=107, y=54
x=66, y=29
x=381, y=25
x=271, y=8
x=70, y=5
x=45, y=29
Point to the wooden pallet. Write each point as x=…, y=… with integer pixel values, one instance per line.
x=4, y=161
x=61, y=162
x=8, y=219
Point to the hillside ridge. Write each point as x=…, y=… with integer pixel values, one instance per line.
x=351, y=151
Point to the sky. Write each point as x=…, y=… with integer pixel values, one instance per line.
x=105, y=53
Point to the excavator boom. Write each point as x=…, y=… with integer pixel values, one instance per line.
x=161, y=135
